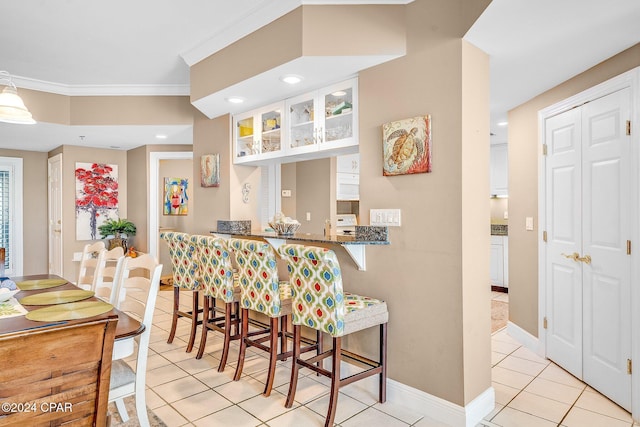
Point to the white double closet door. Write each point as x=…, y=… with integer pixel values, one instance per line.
x=588, y=221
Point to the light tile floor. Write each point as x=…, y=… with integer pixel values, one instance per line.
x=533, y=391
x=183, y=391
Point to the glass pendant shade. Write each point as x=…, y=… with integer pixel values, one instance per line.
x=12, y=108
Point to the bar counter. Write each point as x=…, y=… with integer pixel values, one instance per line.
x=354, y=244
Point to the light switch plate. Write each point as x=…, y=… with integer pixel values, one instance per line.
x=528, y=223
x=286, y=193
x=388, y=217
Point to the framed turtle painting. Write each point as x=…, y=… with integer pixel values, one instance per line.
x=406, y=146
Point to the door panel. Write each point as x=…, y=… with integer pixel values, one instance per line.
x=564, y=275
x=606, y=161
x=55, y=215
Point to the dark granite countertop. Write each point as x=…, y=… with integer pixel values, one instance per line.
x=307, y=237
x=499, y=230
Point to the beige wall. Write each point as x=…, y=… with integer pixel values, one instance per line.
x=175, y=168
x=433, y=274
x=524, y=151
x=70, y=156
x=430, y=255
x=108, y=110
x=498, y=207
x=34, y=208
x=313, y=184
x=288, y=174
x=212, y=203
x=138, y=169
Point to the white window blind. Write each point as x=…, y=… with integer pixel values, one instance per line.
x=11, y=214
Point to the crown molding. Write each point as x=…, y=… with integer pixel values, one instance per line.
x=101, y=90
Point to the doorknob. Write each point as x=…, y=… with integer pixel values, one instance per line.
x=574, y=256
x=586, y=259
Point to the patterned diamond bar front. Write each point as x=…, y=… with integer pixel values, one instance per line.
x=183, y=258
x=216, y=270
x=258, y=276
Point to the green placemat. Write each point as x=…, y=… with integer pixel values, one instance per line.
x=57, y=297
x=30, y=285
x=69, y=311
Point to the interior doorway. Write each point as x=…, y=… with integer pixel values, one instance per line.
x=154, y=190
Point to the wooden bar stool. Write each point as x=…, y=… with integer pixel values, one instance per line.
x=185, y=276
x=217, y=280
x=262, y=292
x=319, y=302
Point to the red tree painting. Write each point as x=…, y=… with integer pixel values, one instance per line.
x=96, y=197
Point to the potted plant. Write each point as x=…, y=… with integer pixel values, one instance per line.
x=119, y=230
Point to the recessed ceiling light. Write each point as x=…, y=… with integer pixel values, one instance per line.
x=159, y=136
x=502, y=123
x=235, y=99
x=291, y=79
x=339, y=93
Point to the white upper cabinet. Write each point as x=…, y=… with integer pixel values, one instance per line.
x=499, y=165
x=314, y=124
x=324, y=119
x=349, y=163
x=258, y=134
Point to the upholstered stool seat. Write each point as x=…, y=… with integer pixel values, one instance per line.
x=319, y=302
x=363, y=312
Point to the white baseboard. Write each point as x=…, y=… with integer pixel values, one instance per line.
x=532, y=343
x=439, y=409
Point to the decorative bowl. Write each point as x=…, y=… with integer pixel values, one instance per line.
x=284, y=228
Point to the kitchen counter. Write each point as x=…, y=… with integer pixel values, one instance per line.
x=308, y=237
x=354, y=245
x=499, y=230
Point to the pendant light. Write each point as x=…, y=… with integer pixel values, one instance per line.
x=12, y=108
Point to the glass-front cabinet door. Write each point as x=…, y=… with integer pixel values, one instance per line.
x=258, y=134
x=339, y=121
x=271, y=133
x=246, y=146
x=303, y=127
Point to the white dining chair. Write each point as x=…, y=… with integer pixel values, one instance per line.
x=91, y=256
x=135, y=295
x=106, y=274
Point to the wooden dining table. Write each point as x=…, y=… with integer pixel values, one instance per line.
x=127, y=326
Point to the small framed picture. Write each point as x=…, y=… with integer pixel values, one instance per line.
x=210, y=170
x=406, y=146
x=175, y=196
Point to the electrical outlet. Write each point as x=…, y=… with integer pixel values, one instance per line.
x=308, y=216
x=388, y=217
x=286, y=193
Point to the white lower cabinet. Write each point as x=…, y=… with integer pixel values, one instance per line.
x=499, y=265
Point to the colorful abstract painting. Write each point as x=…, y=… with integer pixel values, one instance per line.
x=175, y=196
x=210, y=170
x=96, y=198
x=406, y=146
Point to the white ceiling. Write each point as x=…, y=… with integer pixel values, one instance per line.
x=536, y=45
x=91, y=47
